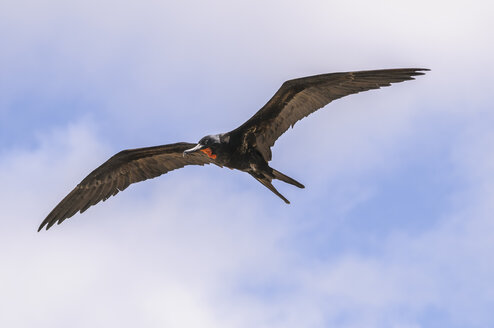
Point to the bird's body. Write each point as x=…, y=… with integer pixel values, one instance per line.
x=246, y=148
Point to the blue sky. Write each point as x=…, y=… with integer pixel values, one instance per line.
x=393, y=229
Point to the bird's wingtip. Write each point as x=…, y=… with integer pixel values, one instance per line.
x=47, y=224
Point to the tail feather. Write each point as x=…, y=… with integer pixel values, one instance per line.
x=280, y=176
x=267, y=183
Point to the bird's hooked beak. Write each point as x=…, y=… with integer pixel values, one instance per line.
x=191, y=150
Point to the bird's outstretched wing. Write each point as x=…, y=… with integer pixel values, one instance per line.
x=299, y=98
x=121, y=170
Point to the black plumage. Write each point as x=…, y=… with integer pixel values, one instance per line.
x=247, y=148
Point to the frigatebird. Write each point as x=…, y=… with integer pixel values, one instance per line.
x=247, y=148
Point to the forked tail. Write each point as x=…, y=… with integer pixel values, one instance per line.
x=265, y=178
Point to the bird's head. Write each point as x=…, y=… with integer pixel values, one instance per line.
x=207, y=145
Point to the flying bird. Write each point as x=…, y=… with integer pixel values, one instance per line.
x=246, y=148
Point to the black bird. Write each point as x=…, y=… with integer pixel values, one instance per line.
x=247, y=148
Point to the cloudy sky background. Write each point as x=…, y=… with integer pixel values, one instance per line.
x=394, y=229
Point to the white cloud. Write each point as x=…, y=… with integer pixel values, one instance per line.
x=123, y=257
x=148, y=256
x=236, y=258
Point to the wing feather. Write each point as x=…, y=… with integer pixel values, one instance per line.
x=117, y=173
x=299, y=98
